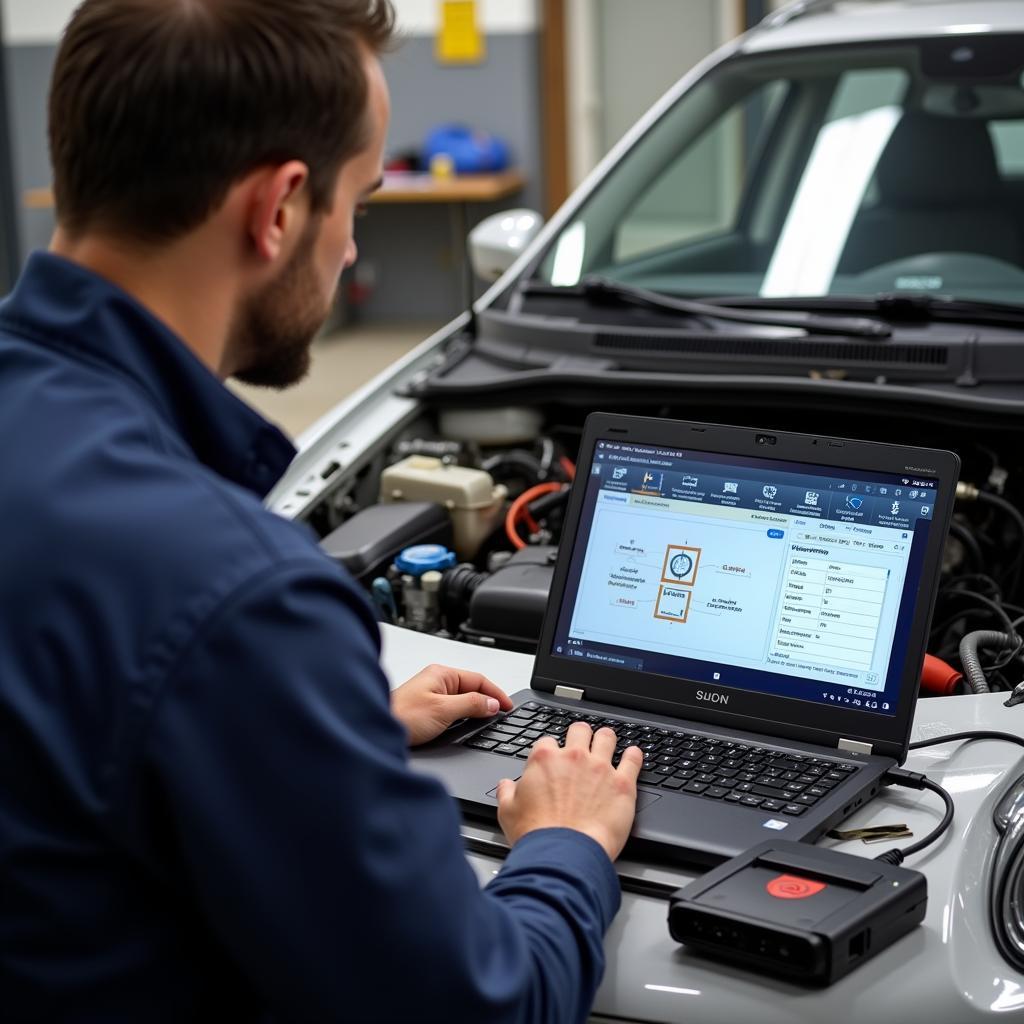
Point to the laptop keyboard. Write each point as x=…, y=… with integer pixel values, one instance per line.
x=717, y=769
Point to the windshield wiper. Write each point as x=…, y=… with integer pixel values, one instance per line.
x=895, y=307
x=602, y=290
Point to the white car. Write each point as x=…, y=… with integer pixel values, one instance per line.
x=840, y=192
x=821, y=227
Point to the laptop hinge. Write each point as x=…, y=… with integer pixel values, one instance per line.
x=854, y=746
x=572, y=692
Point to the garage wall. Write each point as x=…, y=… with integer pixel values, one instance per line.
x=500, y=95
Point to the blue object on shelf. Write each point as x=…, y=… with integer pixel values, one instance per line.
x=471, y=152
x=421, y=558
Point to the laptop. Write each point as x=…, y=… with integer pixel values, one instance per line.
x=749, y=607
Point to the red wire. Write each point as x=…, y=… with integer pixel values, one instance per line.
x=519, y=504
x=568, y=466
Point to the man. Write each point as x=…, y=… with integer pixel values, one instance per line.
x=205, y=807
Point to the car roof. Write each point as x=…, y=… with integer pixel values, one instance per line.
x=825, y=22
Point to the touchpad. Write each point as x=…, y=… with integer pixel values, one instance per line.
x=645, y=799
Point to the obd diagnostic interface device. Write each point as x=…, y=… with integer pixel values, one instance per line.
x=806, y=914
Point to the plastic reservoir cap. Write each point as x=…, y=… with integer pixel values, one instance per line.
x=421, y=558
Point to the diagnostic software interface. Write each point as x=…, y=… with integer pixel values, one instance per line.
x=764, y=575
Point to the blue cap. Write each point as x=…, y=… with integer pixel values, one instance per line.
x=423, y=558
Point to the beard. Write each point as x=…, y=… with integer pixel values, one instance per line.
x=274, y=329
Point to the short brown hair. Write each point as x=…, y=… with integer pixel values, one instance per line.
x=157, y=107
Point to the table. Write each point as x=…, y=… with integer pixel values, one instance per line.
x=398, y=187
x=946, y=972
x=457, y=192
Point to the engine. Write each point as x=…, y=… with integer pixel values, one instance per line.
x=458, y=527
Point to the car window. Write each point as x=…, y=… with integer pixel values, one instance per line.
x=699, y=193
x=841, y=170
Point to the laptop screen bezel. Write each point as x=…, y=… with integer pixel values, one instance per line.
x=785, y=717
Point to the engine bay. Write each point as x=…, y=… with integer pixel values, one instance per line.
x=453, y=527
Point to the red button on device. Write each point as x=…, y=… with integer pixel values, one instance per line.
x=792, y=887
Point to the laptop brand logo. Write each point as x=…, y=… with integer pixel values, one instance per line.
x=712, y=698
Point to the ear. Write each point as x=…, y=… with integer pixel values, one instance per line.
x=277, y=208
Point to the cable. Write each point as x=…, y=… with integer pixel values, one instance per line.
x=988, y=498
x=914, y=780
x=519, y=505
x=982, y=599
x=1006, y=895
x=974, y=734
x=969, y=542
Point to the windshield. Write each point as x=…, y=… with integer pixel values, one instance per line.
x=836, y=171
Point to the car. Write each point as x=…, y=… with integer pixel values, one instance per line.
x=819, y=228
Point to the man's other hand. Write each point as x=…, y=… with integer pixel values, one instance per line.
x=438, y=696
x=574, y=787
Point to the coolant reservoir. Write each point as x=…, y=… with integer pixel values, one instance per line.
x=472, y=498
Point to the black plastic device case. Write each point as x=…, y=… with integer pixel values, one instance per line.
x=509, y=605
x=367, y=543
x=812, y=938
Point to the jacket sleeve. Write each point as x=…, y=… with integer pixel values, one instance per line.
x=332, y=873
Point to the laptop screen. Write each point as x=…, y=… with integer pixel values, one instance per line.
x=764, y=575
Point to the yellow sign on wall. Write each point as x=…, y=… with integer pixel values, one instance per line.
x=459, y=40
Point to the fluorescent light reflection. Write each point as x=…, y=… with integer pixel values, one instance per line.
x=967, y=783
x=568, y=262
x=673, y=990
x=831, y=190
x=1011, y=998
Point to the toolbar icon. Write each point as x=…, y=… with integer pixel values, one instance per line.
x=769, y=491
x=730, y=488
x=811, y=498
x=618, y=472
x=895, y=508
x=854, y=502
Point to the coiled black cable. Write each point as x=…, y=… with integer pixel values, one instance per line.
x=1006, y=893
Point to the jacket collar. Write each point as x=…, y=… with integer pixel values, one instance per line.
x=62, y=305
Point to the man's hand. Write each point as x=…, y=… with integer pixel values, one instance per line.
x=574, y=787
x=438, y=696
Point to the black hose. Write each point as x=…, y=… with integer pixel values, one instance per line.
x=996, y=606
x=513, y=463
x=970, y=544
x=970, y=660
x=1012, y=511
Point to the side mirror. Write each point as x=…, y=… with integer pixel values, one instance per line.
x=495, y=243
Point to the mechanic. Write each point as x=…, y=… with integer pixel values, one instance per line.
x=205, y=806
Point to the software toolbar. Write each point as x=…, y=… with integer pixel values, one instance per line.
x=896, y=504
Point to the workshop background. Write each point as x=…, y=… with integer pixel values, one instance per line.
x=556, y=81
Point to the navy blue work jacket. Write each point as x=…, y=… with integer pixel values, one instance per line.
x=206, y=811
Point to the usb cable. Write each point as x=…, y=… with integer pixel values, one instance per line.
x=1006, y=894
x=915, y=780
